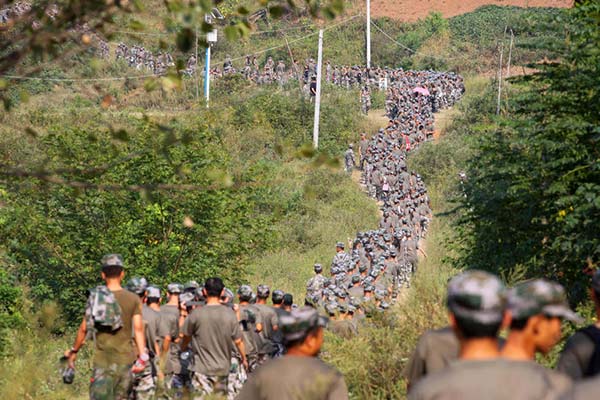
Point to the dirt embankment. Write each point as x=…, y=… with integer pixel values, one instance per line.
x=412, y=10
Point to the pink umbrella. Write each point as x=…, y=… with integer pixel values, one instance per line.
x=422, y=90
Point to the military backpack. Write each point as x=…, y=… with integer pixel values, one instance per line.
x=102, y=311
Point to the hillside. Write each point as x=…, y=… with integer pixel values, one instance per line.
x=410, y=10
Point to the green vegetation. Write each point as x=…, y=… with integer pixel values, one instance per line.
x=532, y=197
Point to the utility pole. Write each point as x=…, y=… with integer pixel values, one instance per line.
x=197, y=65
x=318, y=94
x=368, y=33
x=211, y=37
x=500, y=72
x=512, y=37
x=207, y=75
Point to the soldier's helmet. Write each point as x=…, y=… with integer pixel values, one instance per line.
x=263, y=291
x=318, y=268
x=245, y=293
x=137, y=285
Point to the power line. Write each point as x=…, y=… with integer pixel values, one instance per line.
x=114, y=78
x=137, y=33
x=333, y=26
x=122, y=78
x=415, y=52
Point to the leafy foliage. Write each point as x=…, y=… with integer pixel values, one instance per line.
x=533, y=197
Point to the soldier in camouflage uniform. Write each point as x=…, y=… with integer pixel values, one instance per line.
x=477, y=303
x=111, y=332
x=175, y=380
x=537, y=308
x=580, y=358
x=299, y=374
x=248, y=321
x=144, y=383
x=349, y=161
x=213, y=332
x=365, y=100
x=315, y=284
x=341, y=260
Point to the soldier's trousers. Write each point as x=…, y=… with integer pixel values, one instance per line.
x=175, y=385
x=236, y=379
x=144, y=383
x=113, y=382
x=203, y=385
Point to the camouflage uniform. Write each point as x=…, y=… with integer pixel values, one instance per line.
x=204, y=384
x=315, y=284
x=113, y=382
x=349, y=161
x=341, y=260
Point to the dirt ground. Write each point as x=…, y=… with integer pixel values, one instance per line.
x=412, y=10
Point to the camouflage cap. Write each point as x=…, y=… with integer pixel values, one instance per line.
x=245, y=293
x=277, y=296
x=263, y=291
x=190, y=286
x=343, y=308
x=137, y=285
x=112, y=260
x=540, y=296
x=340, y=245
x=299, y=322
x=318, y=268
x=152, y=291
x=596, y=281
x=331, y=308
x=174, y=288
x=355, y=278
x=362, y=268
x=478, y=296
x=187, y=298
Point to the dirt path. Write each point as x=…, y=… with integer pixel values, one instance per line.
x=443, y=119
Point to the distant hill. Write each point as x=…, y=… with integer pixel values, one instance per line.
x=412, y=10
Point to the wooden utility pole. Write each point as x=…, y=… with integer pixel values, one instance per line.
x=512, y=37
x=318, y=94
x=500, y=72
x=197, y=65
x=368, y=33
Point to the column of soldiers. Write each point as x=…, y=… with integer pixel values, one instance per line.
x=467, y=360
x=202, y=342
x=383, y=261
x=199, y=341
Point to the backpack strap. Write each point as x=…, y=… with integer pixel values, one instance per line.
x=593, y=333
